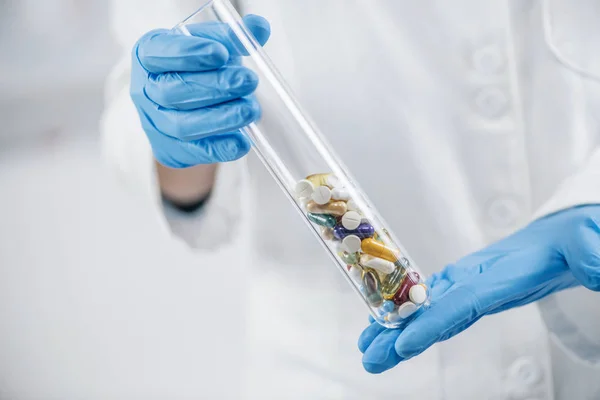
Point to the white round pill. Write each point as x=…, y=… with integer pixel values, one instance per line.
x=351, y=243
x=418, y=294
x=321, y=195
x=407, y=309
x=351, y=204
x=351, y=220
x=304, y=188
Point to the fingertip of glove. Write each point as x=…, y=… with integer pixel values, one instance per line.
x=259, y=26
x=233, y=147
x=150, y=35
x=374, y=368
x=370, y=334
x=243, y=80
x=162, y=51
x=137, y=51
x=380, y=359
x=250, y=111
x=363, y=344
x=409, y=344
x=218, y=53
x=404, y=348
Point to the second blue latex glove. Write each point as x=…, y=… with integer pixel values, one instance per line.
x=554, y=253
x=193, y=95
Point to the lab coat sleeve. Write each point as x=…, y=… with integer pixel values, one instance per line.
x=583, y=187
x=127, y=151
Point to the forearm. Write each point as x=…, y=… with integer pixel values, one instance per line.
x=186, y=187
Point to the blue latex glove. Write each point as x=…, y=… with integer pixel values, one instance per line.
x=193, y=95
x=554, y=253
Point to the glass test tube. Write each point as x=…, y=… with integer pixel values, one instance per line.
x=318, y=184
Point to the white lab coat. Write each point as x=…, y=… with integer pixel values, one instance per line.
x=462, y=121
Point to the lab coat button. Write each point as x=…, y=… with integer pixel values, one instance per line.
x=491, y=102
x=526, y=371
x=488, y=60
x=523, y=380
x=503, y=212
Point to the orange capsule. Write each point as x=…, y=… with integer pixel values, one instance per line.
x=379, y=250
x=337, y=208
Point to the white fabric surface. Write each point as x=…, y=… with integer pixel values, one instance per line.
x=484, y=113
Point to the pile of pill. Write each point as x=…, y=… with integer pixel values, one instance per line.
x=385, y=278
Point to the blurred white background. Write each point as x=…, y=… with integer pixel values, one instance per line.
x=55, y=54
x=73, y=244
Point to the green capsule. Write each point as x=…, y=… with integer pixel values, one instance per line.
x=349, y=258
x=323, y=219
x=372, y=287
x=392, y=283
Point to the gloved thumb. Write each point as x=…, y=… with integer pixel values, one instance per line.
x=582, y=249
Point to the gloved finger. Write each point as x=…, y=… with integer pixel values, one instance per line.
x=217, y=148
x=582, y=251
x=456, y=308
x=368, y=335
x=258, y=27
x=212, y=120
x=162, y=51
x=381, y=354
x=520, y=278
x=208, y=46
x=188, y=91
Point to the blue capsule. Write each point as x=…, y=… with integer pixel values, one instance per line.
x=364, y=230
x=388, y=306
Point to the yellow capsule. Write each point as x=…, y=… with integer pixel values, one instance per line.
x=376, y=249
x=392, y=282
x=323, y=180
x=337, y=208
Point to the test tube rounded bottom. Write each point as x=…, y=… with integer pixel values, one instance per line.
x=391, y=287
